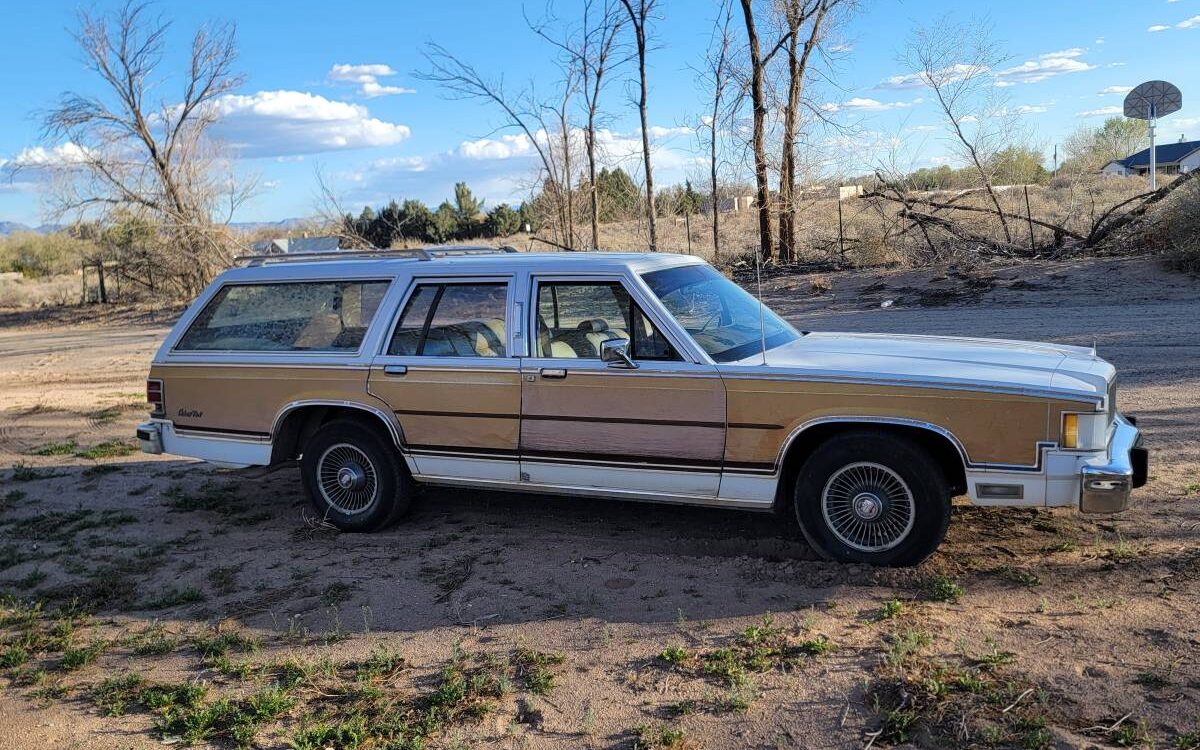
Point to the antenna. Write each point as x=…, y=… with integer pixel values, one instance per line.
x=762, y=326
x=1150, y=101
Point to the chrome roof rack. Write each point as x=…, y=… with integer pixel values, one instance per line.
x=420, y=253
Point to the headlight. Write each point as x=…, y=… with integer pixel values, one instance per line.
x=1085, y=431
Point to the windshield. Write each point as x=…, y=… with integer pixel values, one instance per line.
x=721, y=316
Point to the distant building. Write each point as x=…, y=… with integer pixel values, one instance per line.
x=292, y=245
x=1171, y=158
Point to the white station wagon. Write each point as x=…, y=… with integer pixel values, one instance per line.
x=629, y=376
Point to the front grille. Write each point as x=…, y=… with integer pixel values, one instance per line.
x=1112, y=400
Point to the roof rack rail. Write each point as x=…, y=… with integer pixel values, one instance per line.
x=420, y=253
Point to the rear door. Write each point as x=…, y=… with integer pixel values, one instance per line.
x=449, y=373
x=659, y=428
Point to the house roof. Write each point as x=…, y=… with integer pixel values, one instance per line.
x=1167, y=153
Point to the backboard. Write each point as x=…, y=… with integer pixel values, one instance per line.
x=1164, y=97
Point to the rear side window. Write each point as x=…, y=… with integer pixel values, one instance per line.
x=453, y=320
x=309, y=316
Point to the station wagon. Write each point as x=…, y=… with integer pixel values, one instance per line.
x=631, y=376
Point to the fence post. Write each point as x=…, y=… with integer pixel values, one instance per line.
x=841, y=233
x=100, y=271
x=1029, y=216
x=687, y=224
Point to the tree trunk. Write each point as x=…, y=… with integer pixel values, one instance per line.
x=787, y=163
x=759, y=104
x=595, y=194
x=638, y=19
x=651, y=213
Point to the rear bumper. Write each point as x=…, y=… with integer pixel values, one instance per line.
x=160, y=436
x=1106, y=487
x=149, y=436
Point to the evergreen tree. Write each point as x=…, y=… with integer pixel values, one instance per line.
x=503, y=221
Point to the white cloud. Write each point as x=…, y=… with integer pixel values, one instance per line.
x=658, y=131
x=1102, y=112
x=39, y=157
x=1115, y=90
x=940, y=160
x=866, y=104
x=1099, y=40
x=502, y=168
x=1157, y=27
x=367, y=78
x=290, y=123
x=949, y=74
x=1188, y=23
x=506, y=147
x=1045, y=66
x=1031, y=109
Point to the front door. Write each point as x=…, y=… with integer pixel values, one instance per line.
x=449, y=373
x=658, y=428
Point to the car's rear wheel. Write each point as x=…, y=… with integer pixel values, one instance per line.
x=354, y=476
x=872, y=497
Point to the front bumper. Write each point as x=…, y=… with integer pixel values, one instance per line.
x=1106, y=487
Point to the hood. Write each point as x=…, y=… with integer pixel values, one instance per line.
x=988, y=364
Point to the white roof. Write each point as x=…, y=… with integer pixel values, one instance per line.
x=499, y=262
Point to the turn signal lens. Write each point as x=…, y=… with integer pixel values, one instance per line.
x=1070, y=430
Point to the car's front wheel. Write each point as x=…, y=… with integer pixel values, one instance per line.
x=872, y=497
x=354, y=476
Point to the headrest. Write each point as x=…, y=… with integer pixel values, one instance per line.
x=595, y=325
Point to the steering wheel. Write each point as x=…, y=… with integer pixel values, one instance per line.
x=707, y=323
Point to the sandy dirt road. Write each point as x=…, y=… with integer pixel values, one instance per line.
x=1086, y=625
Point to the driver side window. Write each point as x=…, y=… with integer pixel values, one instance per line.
x=575, y=318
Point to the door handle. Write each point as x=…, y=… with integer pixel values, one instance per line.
x=395, y=370
x=556, y=373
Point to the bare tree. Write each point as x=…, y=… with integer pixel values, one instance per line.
x=523, y=112
x=717, y=76
x=759, y=107
x=597, y=57
x=588, y=57
x=957, y=63
x=639, y=14
x=148, y=157
x=796, y=14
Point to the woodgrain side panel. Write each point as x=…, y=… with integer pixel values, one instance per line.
x=993, y=428
x=247, y=399
x=445, y=408
x=616, y=414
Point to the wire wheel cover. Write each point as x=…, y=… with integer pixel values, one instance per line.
x=868, y=507
x=347, y=479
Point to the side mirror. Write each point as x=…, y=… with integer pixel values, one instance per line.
x=615, y=353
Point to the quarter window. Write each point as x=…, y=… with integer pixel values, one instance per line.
x=309, y=316
x=453, y=320
x=574, y=319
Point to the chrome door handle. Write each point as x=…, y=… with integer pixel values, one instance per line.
x=556, y=373
x=395, y=370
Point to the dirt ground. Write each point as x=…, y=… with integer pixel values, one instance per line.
x=677, y=627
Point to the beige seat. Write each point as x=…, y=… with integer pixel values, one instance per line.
x=320, y=331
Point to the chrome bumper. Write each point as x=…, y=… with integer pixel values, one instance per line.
x=149, y=436
x=1105, y=488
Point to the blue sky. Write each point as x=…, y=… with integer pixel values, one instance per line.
x=329, y=87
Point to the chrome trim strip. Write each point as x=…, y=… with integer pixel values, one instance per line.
x=178, y=362
x=1080, y=396
x=1040, y=447
x=230, y=437
x=388, y=417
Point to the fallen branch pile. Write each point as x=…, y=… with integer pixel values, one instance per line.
x=929, y=216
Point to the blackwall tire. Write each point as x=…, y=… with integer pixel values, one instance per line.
x=872, y=497
x=355, y=477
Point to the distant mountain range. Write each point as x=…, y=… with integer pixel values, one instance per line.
x=284, y=225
